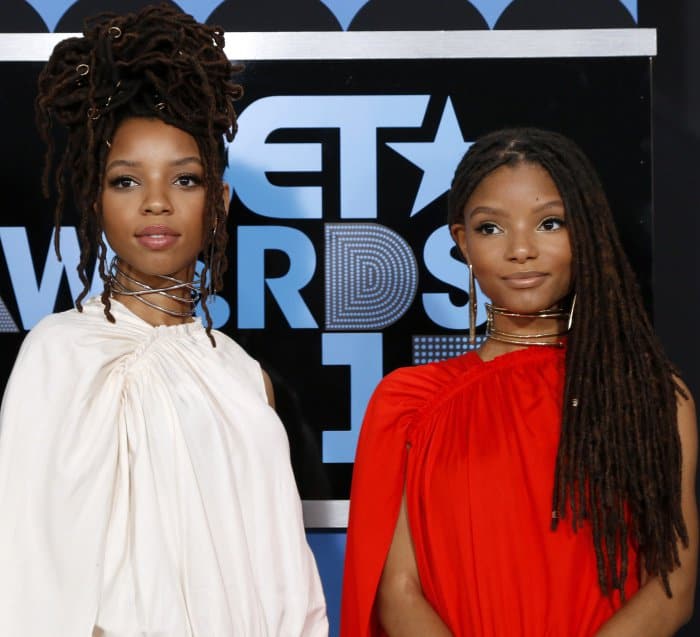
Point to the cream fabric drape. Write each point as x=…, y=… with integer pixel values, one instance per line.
x=146, y=489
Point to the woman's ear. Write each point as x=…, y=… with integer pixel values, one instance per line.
x=459, y=234
x=226, y=194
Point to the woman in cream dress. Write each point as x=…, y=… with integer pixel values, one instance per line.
x=145, y=482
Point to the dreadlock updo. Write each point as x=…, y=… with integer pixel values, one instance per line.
x=157, y=63
x=619, y=459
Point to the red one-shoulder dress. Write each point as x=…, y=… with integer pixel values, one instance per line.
x=474, y=445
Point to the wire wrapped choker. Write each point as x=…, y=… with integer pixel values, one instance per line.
x=116, y=287
x=539, y=338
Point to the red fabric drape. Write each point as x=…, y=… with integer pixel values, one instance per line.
x=475, y=445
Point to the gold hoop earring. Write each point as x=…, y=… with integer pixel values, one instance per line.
x=472, y=306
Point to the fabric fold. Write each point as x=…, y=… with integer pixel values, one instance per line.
x=478, y=478
x=146, y=488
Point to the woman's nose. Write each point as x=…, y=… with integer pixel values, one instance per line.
x=521, y=247
x=156, y=202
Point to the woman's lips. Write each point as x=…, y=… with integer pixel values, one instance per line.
x=525, y=279
x=157, y=237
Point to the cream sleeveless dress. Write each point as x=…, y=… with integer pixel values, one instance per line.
x=146, y=488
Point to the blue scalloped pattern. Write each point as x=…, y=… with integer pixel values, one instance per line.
x=344, y=10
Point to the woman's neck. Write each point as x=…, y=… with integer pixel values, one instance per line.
x=508, y=331
x=158, y=300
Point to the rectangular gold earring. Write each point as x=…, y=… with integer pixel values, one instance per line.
x=472, y=307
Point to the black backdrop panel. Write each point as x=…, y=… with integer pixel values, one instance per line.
x=603, y=104
x=337, y=220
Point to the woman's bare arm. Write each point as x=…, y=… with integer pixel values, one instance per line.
x=650, y=613
x=401, y=608
x=269, y=390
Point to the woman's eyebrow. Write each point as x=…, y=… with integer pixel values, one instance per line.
x=127, y=163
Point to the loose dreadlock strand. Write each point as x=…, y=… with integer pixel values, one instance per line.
x=84, y=236
x=618, y=465
x=215, y=243
x=156, y=63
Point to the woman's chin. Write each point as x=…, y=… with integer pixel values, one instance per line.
x=528, y=304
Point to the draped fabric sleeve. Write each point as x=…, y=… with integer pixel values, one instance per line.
x=377, y=488
x=478, y=481
x=55, y=503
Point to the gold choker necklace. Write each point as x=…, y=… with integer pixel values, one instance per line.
x=529, y=339
x=142, y=289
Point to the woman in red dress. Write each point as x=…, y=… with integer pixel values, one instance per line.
x=543, y=485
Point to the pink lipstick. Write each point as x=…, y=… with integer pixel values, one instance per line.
x=157, y=237
x=527, y=279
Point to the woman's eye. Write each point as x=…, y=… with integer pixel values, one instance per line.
x=553, y=223
x=188, y=181
x=122, y=182
x=488, y=228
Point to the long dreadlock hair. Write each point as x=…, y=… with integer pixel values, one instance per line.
x=156, y=63
x=618, y=465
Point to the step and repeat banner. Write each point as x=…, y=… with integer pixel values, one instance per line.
x=342, y=263
x=342, y=267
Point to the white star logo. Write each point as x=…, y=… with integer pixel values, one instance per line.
x=437, y=159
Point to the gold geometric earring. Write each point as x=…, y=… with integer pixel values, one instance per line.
x=571, y=313
x=472, y=307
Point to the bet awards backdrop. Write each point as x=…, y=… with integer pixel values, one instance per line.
x=342, y=265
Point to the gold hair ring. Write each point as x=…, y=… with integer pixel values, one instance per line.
x=115, y=32
x=82, y=69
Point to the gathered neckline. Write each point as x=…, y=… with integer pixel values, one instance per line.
x=123, y=312
x=531, y=352
x=475, y=369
